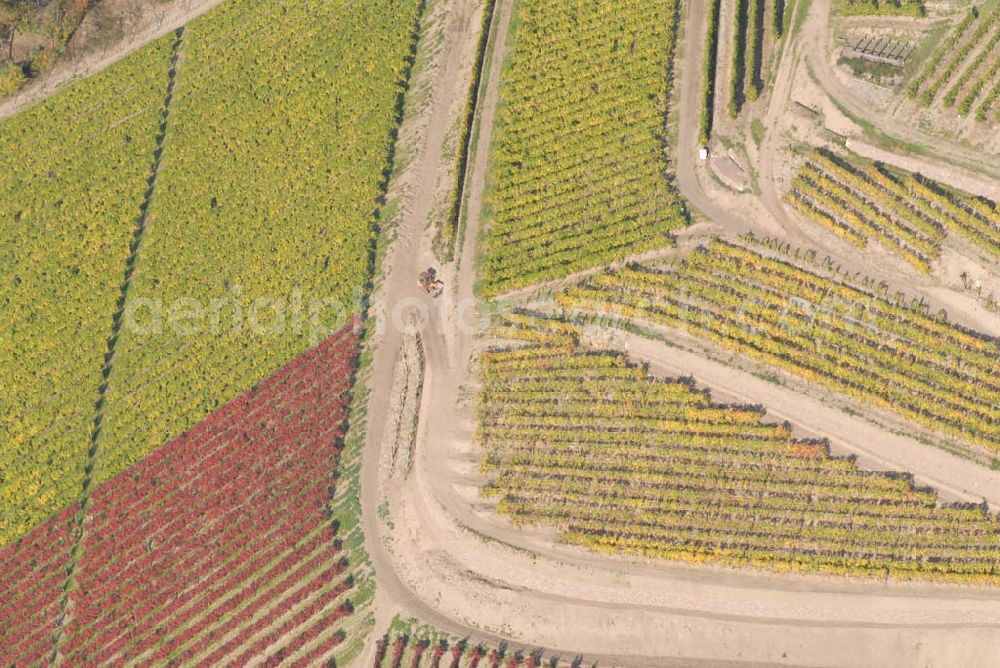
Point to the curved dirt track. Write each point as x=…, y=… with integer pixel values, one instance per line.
x=442, y=555
x=815, y=32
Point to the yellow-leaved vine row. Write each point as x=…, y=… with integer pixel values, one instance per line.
x=75, y=175
x=907, y=213
x=588, y=442
x=853, y=339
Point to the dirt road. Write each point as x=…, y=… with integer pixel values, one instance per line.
x=958, y=479
x=440, y=554
x=815, y=32
x=408, y=254
x=689, y=110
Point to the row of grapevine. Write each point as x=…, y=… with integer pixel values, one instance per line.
x=402, y=651
x=844, y=199
x=990, y=101
x=939, y=54
x=963, y=67
x=578, y=166
x=892, y=356
x=269, y=182
x=708, y=72
x=973, y=68
x=408, y=645
x=292, y=109
x=31, y=590
x=755, y=36
x=977, y=219
x=913, y=8
x=217, y=546
x=905, y=212
x=586, y=441
x=747, y=64
x=75, y=170
x=747, y=59
x=738, y=65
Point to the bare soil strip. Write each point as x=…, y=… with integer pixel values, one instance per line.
x=956, y=478
x=956, y=177
x=441, y=554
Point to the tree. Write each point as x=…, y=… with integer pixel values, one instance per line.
x=11, y=79
x=16, y=16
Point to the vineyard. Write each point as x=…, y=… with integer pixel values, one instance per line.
x=252, y=206
x=851, y=337
x=218, y=547
x=237, y=428
x=284, y=222
x=964, y=70
x=587, y=442
x=566, y=195
x=756, y=23
x=408, y=645
x=708, y=64
x=914, y=8
x=70, y=195
x=31, y=590
x=906, y=213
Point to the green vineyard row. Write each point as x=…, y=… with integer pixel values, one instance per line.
x=578, y=176
x=964, y=67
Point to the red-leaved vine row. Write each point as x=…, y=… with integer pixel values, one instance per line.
x=217, y=548
x=32, y=573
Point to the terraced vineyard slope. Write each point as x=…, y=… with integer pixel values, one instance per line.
x=907, y=213
x=579, y=169
x=587, y=442
x=852, y=338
